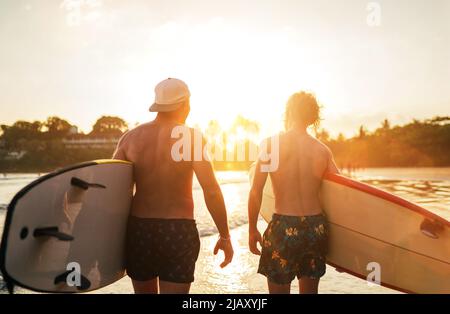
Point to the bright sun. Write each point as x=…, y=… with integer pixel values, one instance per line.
x=232, y=71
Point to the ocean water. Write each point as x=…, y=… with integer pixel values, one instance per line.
x=429, y=187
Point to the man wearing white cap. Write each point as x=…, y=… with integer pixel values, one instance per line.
x=162, y=238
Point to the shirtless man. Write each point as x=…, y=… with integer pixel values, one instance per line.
x=295, y=242
x=162, y=238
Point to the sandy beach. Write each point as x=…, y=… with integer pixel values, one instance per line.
x=241, y=277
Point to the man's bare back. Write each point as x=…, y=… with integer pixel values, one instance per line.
x=163, y=186
x=303, y=160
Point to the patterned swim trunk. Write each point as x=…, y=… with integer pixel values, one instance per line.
x=164, y=248
x=294, y=246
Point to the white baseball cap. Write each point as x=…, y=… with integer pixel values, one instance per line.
x=170, y=94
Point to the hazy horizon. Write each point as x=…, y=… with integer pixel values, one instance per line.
x=238, y=57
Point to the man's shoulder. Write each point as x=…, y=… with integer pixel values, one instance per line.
x=142, y=126
x=138, y=129
x=127, y=135
x=320, y=146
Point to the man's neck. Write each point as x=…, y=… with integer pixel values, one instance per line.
x=300, y=129
x=168, y=119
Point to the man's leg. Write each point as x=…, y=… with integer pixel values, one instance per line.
x=308, y=285
x=146, y=287
x=275, y=288
x=174, y=288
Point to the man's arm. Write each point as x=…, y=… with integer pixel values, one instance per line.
x=214, y=202
x=213, y=195
x=255, y=196
x=254, y=206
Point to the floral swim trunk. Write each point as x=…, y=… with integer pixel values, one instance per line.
x=294, y=246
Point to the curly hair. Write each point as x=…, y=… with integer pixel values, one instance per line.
x=302, y=107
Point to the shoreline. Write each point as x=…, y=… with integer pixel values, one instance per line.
x=45, y=171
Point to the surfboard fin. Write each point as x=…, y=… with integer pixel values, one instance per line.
x=85, y=185
x=52, y=232
x=85, y=283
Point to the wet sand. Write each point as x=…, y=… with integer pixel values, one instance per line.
x=241, y=277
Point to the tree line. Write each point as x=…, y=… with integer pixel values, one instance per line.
x=43, y=147
x=418, y=143
x=415, y=144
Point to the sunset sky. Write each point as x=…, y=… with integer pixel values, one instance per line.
x=238, y=57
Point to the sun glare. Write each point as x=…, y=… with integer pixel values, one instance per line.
x=233, y=70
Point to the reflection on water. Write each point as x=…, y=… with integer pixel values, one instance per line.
x=422, y=174
x=431, y=190
x=235, y=196
x=432, y=195
x=237, y=277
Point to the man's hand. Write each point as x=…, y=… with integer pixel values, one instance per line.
x=253, y=238
x=227, y=248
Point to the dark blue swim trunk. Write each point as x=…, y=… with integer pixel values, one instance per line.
x=294, y=246
x=164, y=248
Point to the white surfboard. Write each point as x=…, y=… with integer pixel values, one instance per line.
x=69, y=222
x=373, y=230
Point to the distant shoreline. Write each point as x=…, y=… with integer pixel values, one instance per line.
x=47, y=170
